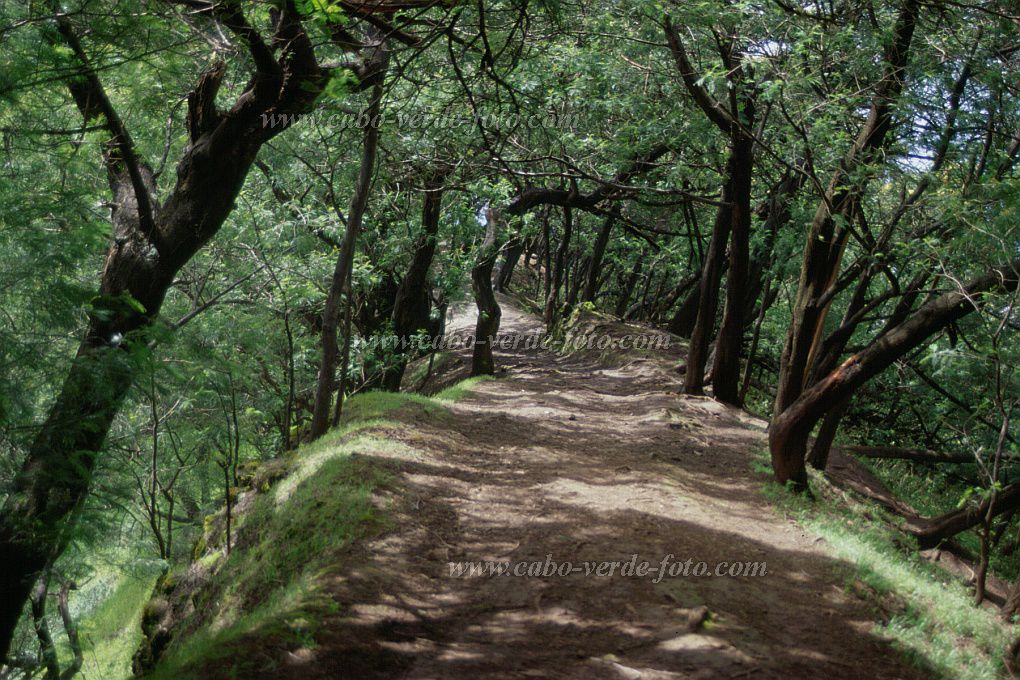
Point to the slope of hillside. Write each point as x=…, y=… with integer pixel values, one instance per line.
x=345, y=558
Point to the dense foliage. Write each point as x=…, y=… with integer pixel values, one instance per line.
x=822, y=197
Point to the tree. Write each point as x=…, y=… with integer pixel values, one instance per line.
x=153, y=240
x=790, y=429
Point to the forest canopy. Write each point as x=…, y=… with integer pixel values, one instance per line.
x=213, y=214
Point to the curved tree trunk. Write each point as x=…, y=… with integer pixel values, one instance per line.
x=489, y=312
x=790, y=430
x=325, y=385
x=826, y=239
x=932, y=531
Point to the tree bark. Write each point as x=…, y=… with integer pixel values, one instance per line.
x=628, y=286
x=47, y=650
x=591, y=286
x=824, y=246
x=66, y=586
x=151, y=242
x=485, y=299
x=559, y=268
x=726, y=366
x=686, y=315
x=732, y=223
x=789, y=430
x=930, y=532
x=819, y=456
x=509, y=264
x=411, y=309
x=708, y=302
x=345, y=260
x=913, y=455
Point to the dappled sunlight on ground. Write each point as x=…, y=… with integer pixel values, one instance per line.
x=575, y=459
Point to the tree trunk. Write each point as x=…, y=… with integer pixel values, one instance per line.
x=66, y=586
x=931, y=532
x=485, y=299
x=552, y=301
x=914, y=455
x=546, y=256
x=628, y=287
x=413, y=303
x=726, y=367
x=789, y=430
x=47, y=650
x=826, y=240
x=819, y=456
x=510, y=260
x=708, y=297
x=686, y=315
x=591, y=286
x=345, y=356
x=732, y=217
x=573, y=285
x=344, y=263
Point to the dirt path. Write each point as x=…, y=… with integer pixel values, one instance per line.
x=569, y=459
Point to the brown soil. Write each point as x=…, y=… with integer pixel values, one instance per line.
x=568, y=457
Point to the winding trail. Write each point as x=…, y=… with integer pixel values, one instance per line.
x=568, y=458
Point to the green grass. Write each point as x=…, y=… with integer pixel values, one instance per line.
x=271, y=584
x=455, y=393
x=271, y=589
x=933, y=620
x=110, y=633
x=372, y=406
x=440, y=362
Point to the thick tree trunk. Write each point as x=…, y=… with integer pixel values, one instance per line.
x=489, y=312
x=826, y=240
x=411, y=310
x=726, y=366
x=790, y=430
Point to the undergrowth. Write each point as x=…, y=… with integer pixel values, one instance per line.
x=926, y=613
x=270, y=590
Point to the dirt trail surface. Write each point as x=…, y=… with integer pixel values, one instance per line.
x=568, y=458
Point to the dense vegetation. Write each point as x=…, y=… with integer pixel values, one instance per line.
x=218, y=219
